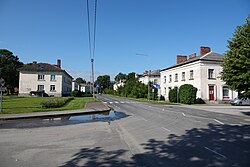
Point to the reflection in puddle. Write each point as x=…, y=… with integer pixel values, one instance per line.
x=62, y=120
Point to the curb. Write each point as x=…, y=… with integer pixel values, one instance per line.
x=52, y=114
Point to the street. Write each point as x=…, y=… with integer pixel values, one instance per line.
x=148, y=135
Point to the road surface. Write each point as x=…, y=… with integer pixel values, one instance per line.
x=148, y=135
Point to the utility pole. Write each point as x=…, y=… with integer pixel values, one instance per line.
x=93, y=87
x=149, y=85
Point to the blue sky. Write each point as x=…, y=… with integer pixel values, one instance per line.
x=45, y=30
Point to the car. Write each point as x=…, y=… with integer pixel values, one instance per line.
x=241, y=101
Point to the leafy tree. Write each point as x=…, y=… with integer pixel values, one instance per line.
x=80, y=81
x=236, y=65
x=120, y=76
x=9, y=65
x=187, y=94
x=103, y=81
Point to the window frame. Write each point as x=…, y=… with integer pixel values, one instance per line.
x=40, y=77
x=54, y=88
x=191, y=75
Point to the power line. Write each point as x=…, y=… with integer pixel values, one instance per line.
x=94, y=28
x=89, y=32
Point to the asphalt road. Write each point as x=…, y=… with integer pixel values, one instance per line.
x=147, y=135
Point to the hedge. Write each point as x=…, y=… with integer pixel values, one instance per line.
x=172, y=95
x=56, y=102
x=187, y=94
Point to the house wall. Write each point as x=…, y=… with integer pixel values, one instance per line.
x=153, y=79
x=200, y=80
x=66, y=84
x=28, y=81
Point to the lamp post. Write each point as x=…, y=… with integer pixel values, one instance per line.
x=145, y=55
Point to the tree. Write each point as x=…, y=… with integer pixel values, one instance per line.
x=120, y=76
x=103, y=81
x=80, y=80
x=9, y=65
x=236, y=65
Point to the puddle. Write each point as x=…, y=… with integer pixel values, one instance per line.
x=62, y=120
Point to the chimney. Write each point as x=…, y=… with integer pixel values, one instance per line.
x=204, y=50
x=34, y=62
x=59, y=63
x=193, y=55
x=180, y=59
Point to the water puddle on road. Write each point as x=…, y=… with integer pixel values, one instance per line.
x=62, y=120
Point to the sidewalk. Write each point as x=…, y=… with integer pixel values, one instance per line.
x=91, y=107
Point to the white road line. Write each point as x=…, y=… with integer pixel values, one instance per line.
x=183, y=114
x=105, y=102
x=111, y=102
x=116, y=102
x=166, y=129
x=122, y=102
x=215, y=152
x=163, y=109
x=144, y=119
x=219, y=122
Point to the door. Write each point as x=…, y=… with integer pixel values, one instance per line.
x=211, y=92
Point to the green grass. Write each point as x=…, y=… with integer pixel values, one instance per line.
x=33, y=104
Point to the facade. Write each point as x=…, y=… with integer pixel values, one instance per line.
x=152, y=76
x=39, y=78
x=75, y=85
x=84, y=88
x=203, y=72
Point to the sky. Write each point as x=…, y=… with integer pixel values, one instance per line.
x=158, y=30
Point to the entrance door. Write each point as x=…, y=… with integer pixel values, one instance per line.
x=211, y=92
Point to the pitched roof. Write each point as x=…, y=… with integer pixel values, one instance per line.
x=211, y=56
x=42, y=67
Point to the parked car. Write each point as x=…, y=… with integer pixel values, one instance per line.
x=242, y=101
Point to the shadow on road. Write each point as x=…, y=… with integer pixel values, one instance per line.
x=217, y=145
x=246, y=113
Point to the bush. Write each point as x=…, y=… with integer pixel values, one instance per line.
x=200, y=101
x=172, y=95
x=76, y=93
x=187, y=94
x=162, y=98
x=56, y=102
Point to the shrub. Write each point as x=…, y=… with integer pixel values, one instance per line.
x=56, y=102
x=200, y=101
x=187, y=94
x=172, y=95
x=76, y=93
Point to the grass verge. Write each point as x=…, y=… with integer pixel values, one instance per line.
x=33, y=104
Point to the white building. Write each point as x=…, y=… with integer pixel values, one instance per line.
x=75, y=85
x=149, y=76
x=203, y=72
x=85, y=88
x=118, y=84
x=40, y=78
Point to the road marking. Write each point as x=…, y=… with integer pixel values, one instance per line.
x=163, y=109
x=122, y=102
x=111, y=102
x=144, y=119
x=116, y=102
x=166, y=129
x=219, y=122
x=215, y=152
x=105, y=102
x=183, y=114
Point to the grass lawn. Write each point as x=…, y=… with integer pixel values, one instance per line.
x=33, y=104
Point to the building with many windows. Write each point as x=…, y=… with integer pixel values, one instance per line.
x=40, y=78
x=203, y=72
x=149, y=76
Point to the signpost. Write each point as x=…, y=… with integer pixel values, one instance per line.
x=2, y=82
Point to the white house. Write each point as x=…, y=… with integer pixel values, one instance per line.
x=152, y=76
x=203, y=72
x=85, y=88
x=38, y=78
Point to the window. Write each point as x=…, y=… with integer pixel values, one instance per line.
x=170, y=78
x=210, y=73
x=183, y=76
x=176, y=77
x=165, y=79
x=40, y=77
x=191, y=74
x=40, y=87
x=165, y=90
x=52, y=77
x=52, y=88
x=225, y=92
